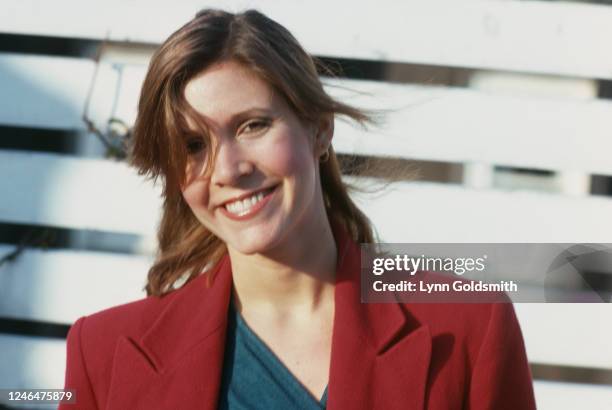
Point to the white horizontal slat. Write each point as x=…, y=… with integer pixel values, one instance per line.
x=50, y=92
x=60, y=285
x=32, y=362
x=572, y=334
x=426, y=123
x=463, y=125
x=570, y=396
x=61, y=191
x=439, y=213
x=96, y=194
x=533, y=36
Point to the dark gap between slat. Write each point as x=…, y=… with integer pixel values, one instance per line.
x=3, y=407
x=48, y=45
x=528, y=171
x=400, y=169
x=39, y=139
x=396, y=72
x=48, y=237
x=35, y=328
x=604, y=88
x=389, y=71
x=601, y=185
x=571, y=374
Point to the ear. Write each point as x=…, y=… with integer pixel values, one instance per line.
x=324, y=132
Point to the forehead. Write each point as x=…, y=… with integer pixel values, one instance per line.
x=226, y=89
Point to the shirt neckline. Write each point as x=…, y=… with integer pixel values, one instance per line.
x=257, y=343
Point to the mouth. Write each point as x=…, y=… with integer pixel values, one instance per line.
x=246, y=207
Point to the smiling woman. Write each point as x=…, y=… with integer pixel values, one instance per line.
x=260, y=229
x=262, y=193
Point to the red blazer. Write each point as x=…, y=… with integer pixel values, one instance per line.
x=167, y=353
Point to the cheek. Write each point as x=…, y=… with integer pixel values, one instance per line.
x=290, y=157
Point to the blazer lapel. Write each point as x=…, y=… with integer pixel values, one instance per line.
x=380, y=355
x=177, y=364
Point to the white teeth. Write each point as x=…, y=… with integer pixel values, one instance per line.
x=243, y=206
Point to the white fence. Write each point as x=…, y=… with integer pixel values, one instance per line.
x=530, y=102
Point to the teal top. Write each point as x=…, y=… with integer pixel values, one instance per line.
x=254, y=377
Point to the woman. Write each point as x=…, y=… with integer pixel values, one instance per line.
x=259, y=227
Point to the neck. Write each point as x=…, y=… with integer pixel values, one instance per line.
x=290, y=279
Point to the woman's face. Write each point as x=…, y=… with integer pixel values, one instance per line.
x=263, y=187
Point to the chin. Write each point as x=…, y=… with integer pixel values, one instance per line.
x=251, y=248
x=253, y=244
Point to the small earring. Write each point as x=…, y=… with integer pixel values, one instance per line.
x=325, y=156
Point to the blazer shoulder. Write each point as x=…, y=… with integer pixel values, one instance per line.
x=91, y=343
x=131, y=319
x=462, y=318
x=470, y=324
x=93, y=340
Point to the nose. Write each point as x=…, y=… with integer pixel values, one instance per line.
x=231, y=163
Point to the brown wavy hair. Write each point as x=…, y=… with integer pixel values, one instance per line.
x=158, y=147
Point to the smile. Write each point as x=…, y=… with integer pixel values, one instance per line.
x=247, y=207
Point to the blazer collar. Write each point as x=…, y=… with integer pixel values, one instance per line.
x=380, y=353
x=193, y=315
x=177, y=363
x=185, y=346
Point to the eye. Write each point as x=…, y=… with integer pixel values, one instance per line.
x=255, y=125
x=195, y=145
